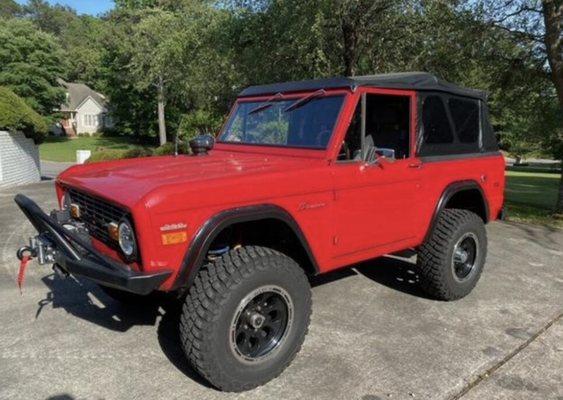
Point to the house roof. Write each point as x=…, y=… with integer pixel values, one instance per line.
x=78, y=93
x=420, y=81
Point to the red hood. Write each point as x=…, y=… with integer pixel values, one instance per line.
x=127, y=181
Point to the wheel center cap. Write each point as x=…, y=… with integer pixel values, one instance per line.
x=256, y=320
x=461, y=256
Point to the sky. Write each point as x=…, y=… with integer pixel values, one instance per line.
x=92, y=7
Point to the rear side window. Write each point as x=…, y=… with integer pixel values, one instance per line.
x=437, y=129
x=465, y=115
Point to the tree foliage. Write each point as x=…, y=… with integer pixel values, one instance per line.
x=16, y=115
x=202, y=53
x=30, y=62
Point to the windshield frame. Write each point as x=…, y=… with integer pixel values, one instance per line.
x=285, y=96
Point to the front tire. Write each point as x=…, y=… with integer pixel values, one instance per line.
x=245, y=317
x=450, y=262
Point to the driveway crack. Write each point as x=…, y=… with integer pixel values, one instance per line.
x=485, y=375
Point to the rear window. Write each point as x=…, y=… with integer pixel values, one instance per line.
x=437, y=129
x=465, y=115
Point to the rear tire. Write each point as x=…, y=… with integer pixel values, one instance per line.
x=245, y=317
x=450, y=262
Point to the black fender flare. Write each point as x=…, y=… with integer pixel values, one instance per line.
x=448, y=193
x=199, y=246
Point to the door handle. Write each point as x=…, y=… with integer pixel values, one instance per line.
x=416, y=164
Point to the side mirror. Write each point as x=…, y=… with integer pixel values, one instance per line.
x=201, y=144
x=387, y=154
x=374, y=155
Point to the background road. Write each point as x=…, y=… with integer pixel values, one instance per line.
x=373, y=335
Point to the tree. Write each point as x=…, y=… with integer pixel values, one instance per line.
x=9, y=8
x=16, y=115
x=30, y=63
x=357, y=21
x=49, y=18
x=536, y=26
x=156, y=57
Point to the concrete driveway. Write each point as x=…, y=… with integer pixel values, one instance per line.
x=373, y=335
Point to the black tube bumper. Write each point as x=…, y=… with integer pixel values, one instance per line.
x=78, y=256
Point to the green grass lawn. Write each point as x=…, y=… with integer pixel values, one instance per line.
x=531, y=197
x=64, y=149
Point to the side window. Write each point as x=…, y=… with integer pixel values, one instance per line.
x=437, y=129
x=465, y=114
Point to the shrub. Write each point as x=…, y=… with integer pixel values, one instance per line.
x=110, y=132
x=168, y=149
x=138, y=152
x=199, y=121
x=103, y=154
x=16, y=115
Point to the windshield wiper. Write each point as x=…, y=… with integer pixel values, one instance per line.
x=269, y=102
x=304, y=100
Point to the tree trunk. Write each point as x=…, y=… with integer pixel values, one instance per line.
x=350, y=41
x=552, y=14
x=161, y=116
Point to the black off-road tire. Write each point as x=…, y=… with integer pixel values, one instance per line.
x=211, y=306
x=436, y=255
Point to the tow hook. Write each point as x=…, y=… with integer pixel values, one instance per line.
x=24, y=251
x=40, y=248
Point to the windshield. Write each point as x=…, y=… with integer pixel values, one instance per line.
x=276, y=122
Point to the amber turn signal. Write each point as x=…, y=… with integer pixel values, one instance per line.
x=75, y=210
x=174, y=237
x=113, y=230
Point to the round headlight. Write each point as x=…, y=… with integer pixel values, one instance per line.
x=127, y=239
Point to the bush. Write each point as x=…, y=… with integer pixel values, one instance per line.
x=16, y=115
x=167, y=149
x=198, y=122
x=103, y=154
x=138, y=152
x=110, y=132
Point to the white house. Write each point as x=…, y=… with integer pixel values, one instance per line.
x=84, y=111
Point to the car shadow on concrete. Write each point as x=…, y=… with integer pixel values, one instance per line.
x=85, y=300
x=398, y=272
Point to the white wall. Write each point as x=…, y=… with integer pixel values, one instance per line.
x=19, y=160
x=89, y=107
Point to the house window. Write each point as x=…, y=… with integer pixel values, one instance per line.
x=91, y=120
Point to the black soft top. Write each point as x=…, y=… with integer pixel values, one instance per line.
x=420, y=81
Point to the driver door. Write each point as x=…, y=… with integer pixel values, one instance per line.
x=375, y=202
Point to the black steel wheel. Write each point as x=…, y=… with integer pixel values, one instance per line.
x=261, y=323
x=464, y=256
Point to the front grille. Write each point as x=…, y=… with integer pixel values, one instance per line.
x=96, y=214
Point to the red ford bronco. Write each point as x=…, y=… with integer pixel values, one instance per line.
x=304, y=178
